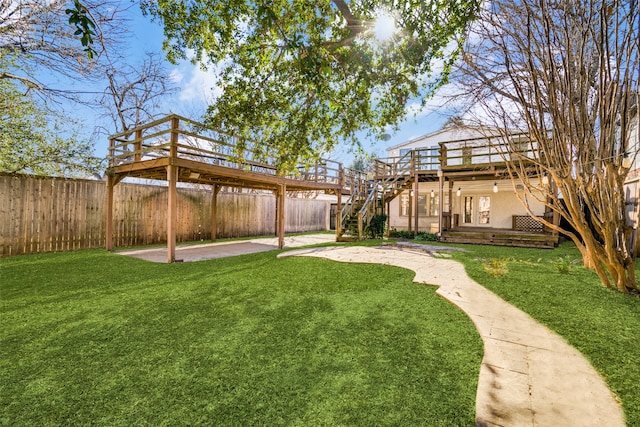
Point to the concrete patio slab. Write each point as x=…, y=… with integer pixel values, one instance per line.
x=199, y=252
x=529, y=375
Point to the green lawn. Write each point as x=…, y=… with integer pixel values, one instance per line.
x=96, y=338
x=603, y=324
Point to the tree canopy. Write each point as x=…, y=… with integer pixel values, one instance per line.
x=56, y=56
x=301, y=75
x=33, y=140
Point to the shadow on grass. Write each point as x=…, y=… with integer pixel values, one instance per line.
x=92, y=337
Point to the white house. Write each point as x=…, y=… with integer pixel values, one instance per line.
x=464, y=167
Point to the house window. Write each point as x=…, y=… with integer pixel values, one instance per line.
x=404, y=205
x=428, y=205
x=422, y=205
x=434, y=204
x=484, y=209
x=468, y=209
x=404, y=151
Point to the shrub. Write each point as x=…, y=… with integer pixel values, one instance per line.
x=427, y=237
x=401, y=234
x=496, y=267
x=376, y=226
x=564, y=264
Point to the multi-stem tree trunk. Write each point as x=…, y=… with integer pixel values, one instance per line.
x=567, y=73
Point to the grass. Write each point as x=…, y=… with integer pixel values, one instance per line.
x=554, y=288
x=95, y=338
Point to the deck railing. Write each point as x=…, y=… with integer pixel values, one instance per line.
x=487, y=151
x=392, y=167
x=459, y=154
x=181, y=138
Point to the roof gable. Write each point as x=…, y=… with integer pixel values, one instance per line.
x=453, y=133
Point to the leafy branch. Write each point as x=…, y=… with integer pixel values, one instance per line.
x=80, y=17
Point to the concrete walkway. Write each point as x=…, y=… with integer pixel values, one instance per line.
x=529, y=375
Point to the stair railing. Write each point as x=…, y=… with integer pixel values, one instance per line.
x=366, y=211
x=358, y=188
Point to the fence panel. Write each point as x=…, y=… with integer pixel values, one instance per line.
x=44, y=214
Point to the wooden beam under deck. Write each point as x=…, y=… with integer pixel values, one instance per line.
x=220, y=175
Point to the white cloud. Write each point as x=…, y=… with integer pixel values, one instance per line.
x=176, y=76
x=197, y=85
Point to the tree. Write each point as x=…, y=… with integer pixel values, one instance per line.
x=40, y=37
x=454, y=121
x=45, y=45
x=566, y=72
x=363, y=162
x=32, y=140
x=301, y=75
x=135, y=93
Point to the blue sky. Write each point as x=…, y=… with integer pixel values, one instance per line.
x=195, y=85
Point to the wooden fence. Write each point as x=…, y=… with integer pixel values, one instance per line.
x=43, y=214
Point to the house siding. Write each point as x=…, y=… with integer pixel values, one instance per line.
x=504, y=205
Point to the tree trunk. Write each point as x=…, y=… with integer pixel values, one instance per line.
x=614, y=267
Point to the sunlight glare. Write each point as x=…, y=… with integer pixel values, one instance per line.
x=384, y=28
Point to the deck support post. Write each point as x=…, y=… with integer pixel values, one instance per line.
x=451, y=213
x=339, y=214
x=276, y=219
x=281, y=195
x=276, y=194
x=109, y=219
x=410, y=210
x=414, y=186
x=214, y=212
x=172, y=178
x=388, y=217
x=415, y=204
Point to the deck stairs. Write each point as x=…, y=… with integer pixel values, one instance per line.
x=393, y=178
x=497, y=237
x=368, y=200
x=350, y=211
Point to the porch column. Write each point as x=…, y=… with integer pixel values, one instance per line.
x=415, y=204
x=214, y=212
x=451, y=203
x=172, y=178
x=440, y=200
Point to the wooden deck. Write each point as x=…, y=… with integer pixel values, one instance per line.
x=176, y=149
x=499, y=237
x=206, y=156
